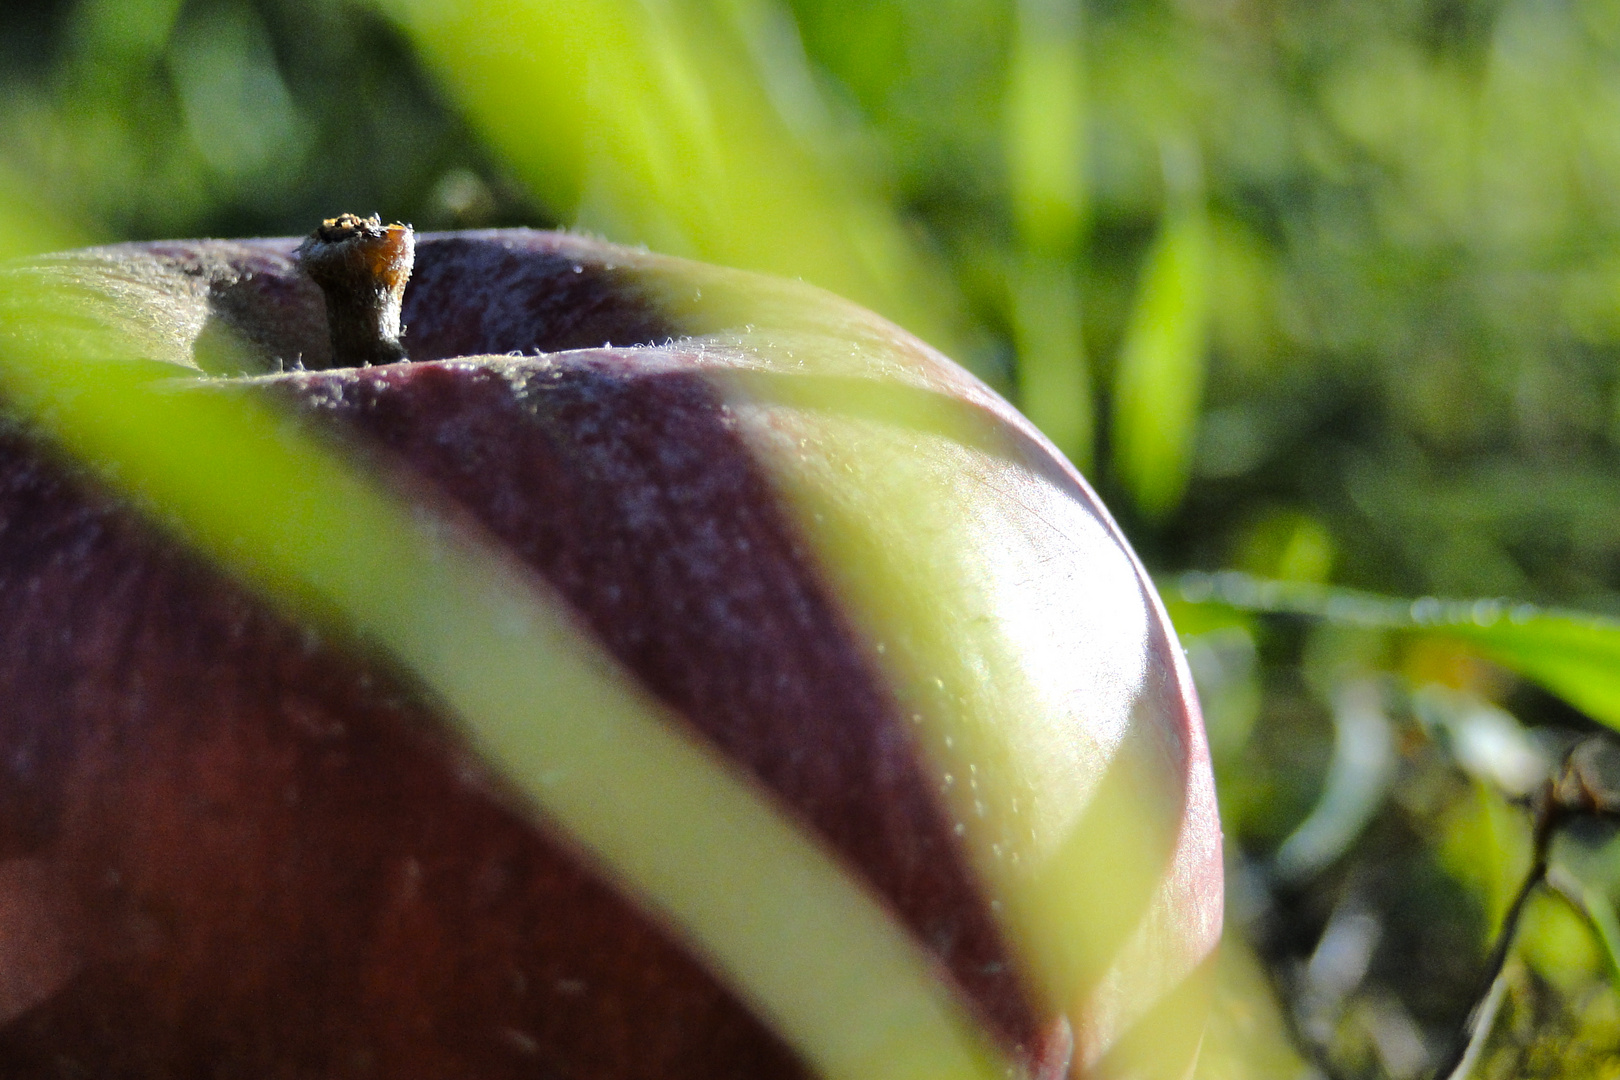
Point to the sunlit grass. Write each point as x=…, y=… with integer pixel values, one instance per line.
x=1572, y=654
x=687, y=127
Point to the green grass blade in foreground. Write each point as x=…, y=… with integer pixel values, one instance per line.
x=777, y=919
x=660, y=124
x=1574, y=655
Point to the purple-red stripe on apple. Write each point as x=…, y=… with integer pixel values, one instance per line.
x=231, y=841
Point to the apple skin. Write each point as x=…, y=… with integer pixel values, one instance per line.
x=234, y=843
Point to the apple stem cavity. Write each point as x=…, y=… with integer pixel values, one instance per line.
x=361, y=266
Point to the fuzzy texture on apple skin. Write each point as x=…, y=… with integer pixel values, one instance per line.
x=231, y=844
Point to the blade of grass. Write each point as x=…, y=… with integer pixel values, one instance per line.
x=1158, y=385
x=1046, y=127
x=1045, y=147
x=1574, y=655
x=650, y=123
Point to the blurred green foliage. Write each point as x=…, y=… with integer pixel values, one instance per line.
x=1350, y=263
x=1323, y=292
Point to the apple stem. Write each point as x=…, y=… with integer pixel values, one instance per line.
x=361, y=266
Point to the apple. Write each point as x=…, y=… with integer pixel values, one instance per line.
x=237, y=839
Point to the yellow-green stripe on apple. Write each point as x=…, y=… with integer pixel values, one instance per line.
x=853, y=742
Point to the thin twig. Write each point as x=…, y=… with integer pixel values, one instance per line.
x=1483, y=1019
x=1476, y=1026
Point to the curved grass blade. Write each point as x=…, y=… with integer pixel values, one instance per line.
x=652, y=123
x=1574, y=655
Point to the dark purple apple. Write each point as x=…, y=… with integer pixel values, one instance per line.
x=237, y=841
